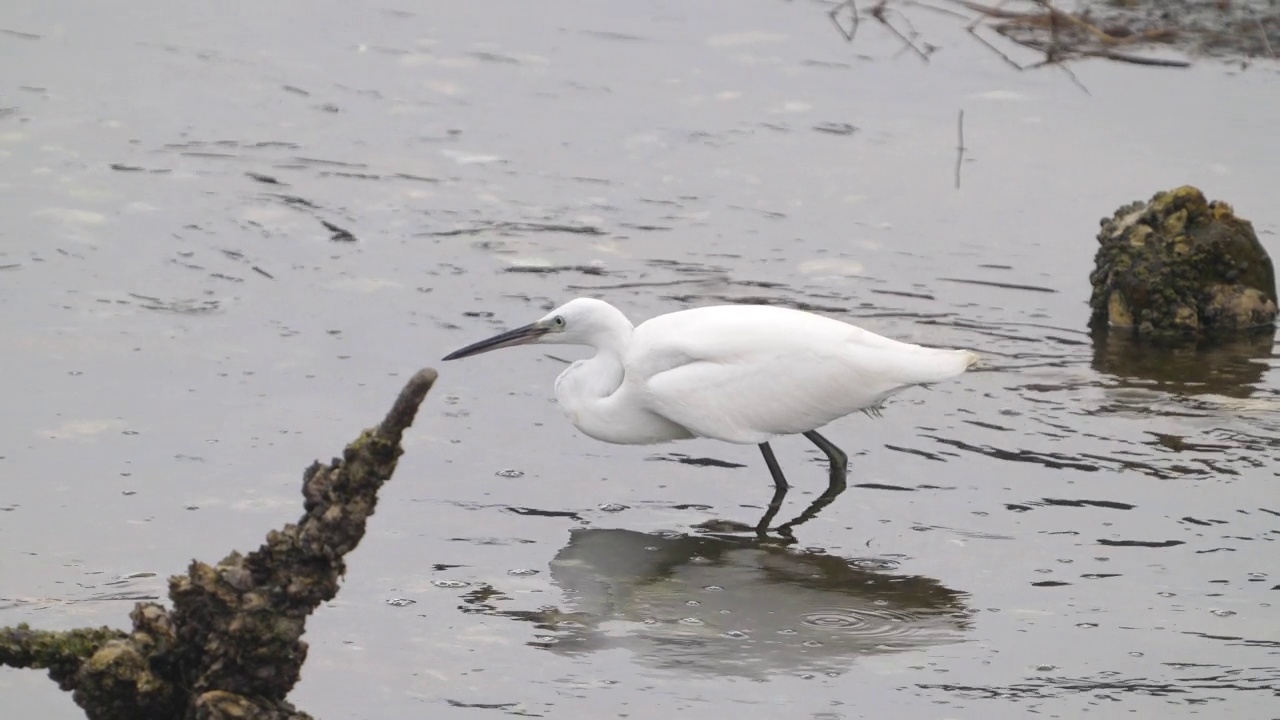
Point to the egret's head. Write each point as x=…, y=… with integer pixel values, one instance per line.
x=582, y=321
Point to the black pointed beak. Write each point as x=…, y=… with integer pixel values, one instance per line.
x=520, y=336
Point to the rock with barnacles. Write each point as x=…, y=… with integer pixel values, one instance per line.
x=1179, y=267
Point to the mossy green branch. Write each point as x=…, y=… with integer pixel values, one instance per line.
x=59, y=652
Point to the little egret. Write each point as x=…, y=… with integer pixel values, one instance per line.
x=738, y=373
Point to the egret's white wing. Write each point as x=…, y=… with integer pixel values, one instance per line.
x=746, y=373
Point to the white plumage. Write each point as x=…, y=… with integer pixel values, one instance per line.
x=738, y=373
x=745, y=373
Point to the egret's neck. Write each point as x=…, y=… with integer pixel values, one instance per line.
x=599, y=376
x=599, y=402
x=588, y=391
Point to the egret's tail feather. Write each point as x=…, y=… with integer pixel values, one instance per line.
x=934, y=364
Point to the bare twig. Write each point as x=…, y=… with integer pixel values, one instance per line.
x=974, y=32
x=1058, y=16
x=1051, y=54
x=1059, y=62
x=960, y=148
x=1265, y=42
x=880, y=14
x=935, y=8
x=853, y=19
x=995, y=11
x=1061, y=36
x=1135, y=59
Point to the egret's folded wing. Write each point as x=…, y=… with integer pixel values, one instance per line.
x=753, y=372
x=754, y=399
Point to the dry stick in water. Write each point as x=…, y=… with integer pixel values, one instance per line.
x=878, y=12
x=1055, y=53
x=853, y=24
x=1265, y=42
x=1135, y=59
x=231, y=646
x=1057, y=49
x=960, y=148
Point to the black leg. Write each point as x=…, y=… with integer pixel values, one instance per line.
x=839, y=461
x=780, y=487
x=835, y=483
x=775, y=470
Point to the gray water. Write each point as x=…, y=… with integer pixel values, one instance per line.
x=231, y=233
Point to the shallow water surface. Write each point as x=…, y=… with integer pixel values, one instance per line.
x=232, y=234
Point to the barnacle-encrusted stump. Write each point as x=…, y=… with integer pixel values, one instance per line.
x=1179, y=267
x=230, y=647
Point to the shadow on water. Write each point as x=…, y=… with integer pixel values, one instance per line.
x=1233, y=369
x=732, y=606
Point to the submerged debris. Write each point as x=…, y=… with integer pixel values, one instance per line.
x=1181, y=267
x=340, y=234
x=267, y=179
x=518, y=227
x=1117, y=30
x=231, y=646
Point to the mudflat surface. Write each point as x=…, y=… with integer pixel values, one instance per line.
x=230, y=234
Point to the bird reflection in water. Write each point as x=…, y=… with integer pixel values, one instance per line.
x=739, y=606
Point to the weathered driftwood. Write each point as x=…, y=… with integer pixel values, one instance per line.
x=230, y=647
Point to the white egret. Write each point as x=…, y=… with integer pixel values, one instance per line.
x=738, y=373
